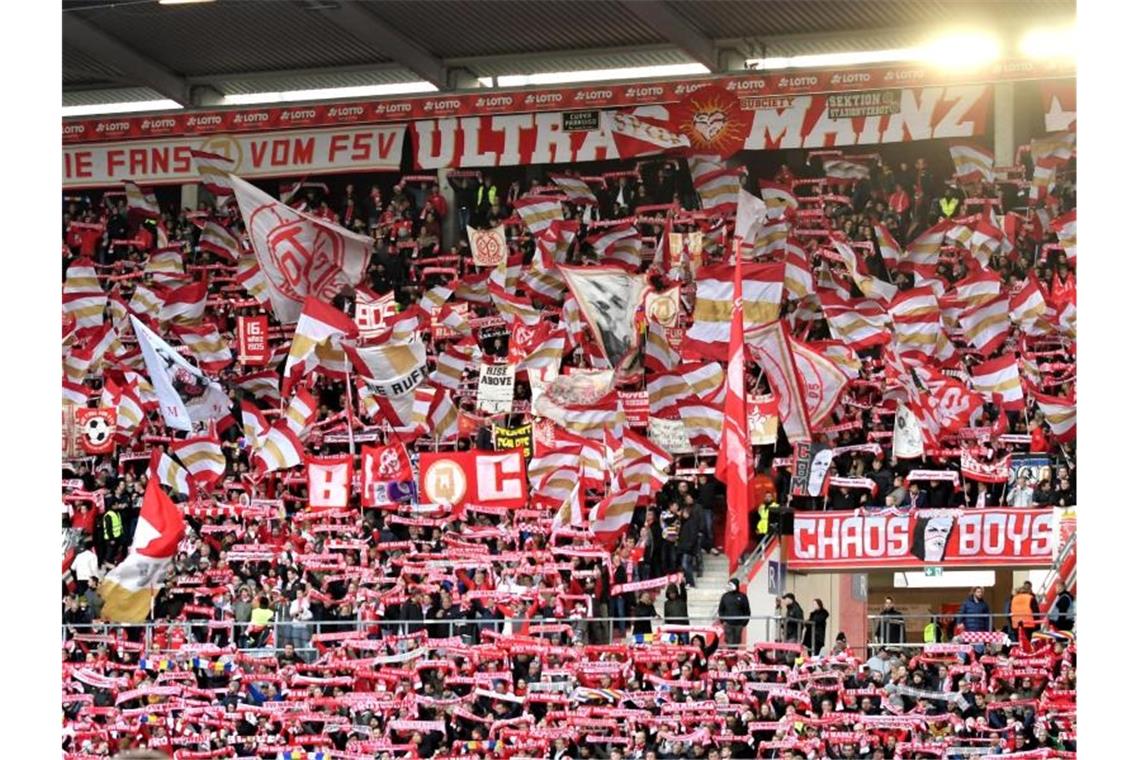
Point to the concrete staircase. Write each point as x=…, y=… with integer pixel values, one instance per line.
x=711, y=585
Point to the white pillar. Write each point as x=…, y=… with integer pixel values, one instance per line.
x=450, y=225
x=190, y=196
x=1005, y=146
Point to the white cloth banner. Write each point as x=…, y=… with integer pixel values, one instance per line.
x=496, y=393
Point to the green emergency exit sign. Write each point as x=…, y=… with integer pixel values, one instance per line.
x=932, y=572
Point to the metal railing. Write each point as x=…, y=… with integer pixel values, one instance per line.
x=891, y=630
x=275, y=636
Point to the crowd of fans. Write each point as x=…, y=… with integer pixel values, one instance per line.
x=378, y=633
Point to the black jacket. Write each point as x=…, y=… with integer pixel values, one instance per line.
x=676, y=611
x=689, y=541
x=734, y=604
x=793, y=622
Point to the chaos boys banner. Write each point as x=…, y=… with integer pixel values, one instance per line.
x=255, y=155
x=896, y=540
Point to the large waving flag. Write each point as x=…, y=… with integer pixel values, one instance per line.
x=202, y=456
x=610, y=517
x=217, y=239
x=609, y=298
x=771, y=346
x=185, y=394
x=128, y=589
x=734, y=458
x=392, y=369
x=538, y=212
x=300, y=256
x=712, y=315
x=317, y=323
x=972, y=164
x=635, y=136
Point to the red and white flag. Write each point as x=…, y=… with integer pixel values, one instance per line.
x=1061, y=414
x=170, y=473
x=735, y=455
x=619, y=245
x=379, y=466
x=610, y=518
x=635, y=136
x=750, y=214
x=978, y=288
x=609, y=298
x=987, y=326
x=704, y=422
x=798, y=280
x=392, y=369
x=577, y=191
x=263, y=385
x=872, y=287
x=888, y=247
x=538, y=212
x=822, y=381
x=204, y=341
x=128, y=590
x=318, y=323
x=250, y=277
x=330, y=481
x=452, y=365
x=771, y=346
x=712, y=313
x=1028, y=305
x=779, y=199
x=999, y=381
x=280, y=449
x=253, y=424
x=1066, y=228
x=184, y=305
x=847, y=170
x=659, y=353
x=214, y=169
x=921, y=255
x=141, y=203
x=860, y=324
x=972, y=164
x=300, y=413
x=300, y=256
x=217, y=239
x=203, y=458
x=514, y=308
x=718, y=191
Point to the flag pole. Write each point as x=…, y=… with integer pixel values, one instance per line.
x=348, y=407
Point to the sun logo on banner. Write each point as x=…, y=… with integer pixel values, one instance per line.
x=713, y=121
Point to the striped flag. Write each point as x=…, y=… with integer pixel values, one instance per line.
x=514, y=308
x=704, y=423
x=203, y=458
x=735, y=455
x=214, y=169
x=141, y=203
x=577, y=191
x=838, y=168
x=435, y=298
x=610, y=517
x=570, y=511
x=263, y=385
x=659, y=353
x=1028, y=305
x=822, y=381
x=1061, y=414
x=170, y=473
x=506, y=275
x=443, y=419
x=921, y=255
x=1053, y=150
x=750, y=214
x=1066, y=228
x=85, y=308
x=217, y=239
x=771, y=238
x=872, y=287
x=979, y=287
x=165, y=266
x=280, y=449
x=771, y=346
x=253, y=423
x=547, y=353
x=779, y=199
x=986, y=240
x=860, y=324
x=987, y=325
x=999, y=381
x=712, y=313
x=798, y=282
x=619, y=245
x=642, y=475
x=392, y=369
x=842, y=356
x=917, y=319
x=250, y=277
x=635, y=446
x=451, y=365
x=300, y=413
x=888, y=246
x=972, y=164
x=211, y=352
x=718, y=191
x=538, y=212
x=318, y=323
x=184, y=305
x=81, y=278
x=127, y=591
x=636, y=136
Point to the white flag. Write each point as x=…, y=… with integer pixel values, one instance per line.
x=299, y=254
x=185, y=394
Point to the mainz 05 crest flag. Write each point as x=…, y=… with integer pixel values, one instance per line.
x=299, y=255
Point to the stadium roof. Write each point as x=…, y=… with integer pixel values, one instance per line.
x=198, y=53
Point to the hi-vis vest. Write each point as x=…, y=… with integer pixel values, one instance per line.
x=1021, y=611
x=948, y=205
x=491, y=192
x=930, y=633
x=116, y=524
x=762, y=524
